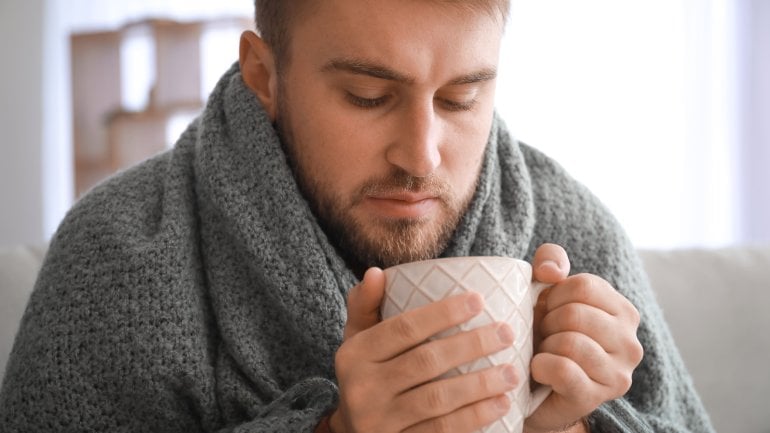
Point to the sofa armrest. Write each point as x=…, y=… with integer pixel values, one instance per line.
x=19, y=266
x=717, y=303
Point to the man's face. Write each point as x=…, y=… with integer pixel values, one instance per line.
x=385, y=110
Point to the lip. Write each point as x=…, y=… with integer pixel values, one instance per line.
x=402, y=205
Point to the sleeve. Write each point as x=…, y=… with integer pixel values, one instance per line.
x=298, y=410
x=109, y=341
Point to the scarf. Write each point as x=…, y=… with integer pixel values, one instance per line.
x=197, y=291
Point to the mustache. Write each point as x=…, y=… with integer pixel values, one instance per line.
x=400, y=181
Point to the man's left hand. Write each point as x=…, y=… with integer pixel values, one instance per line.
x=586, y=345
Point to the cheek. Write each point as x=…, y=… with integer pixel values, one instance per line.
x=467, y=171
x=465, y=152
x=336, y=153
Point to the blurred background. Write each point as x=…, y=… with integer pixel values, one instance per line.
x=659, y=106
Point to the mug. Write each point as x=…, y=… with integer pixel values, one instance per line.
x=510, y=296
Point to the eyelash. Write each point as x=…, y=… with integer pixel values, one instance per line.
x=366, y=103
x=458, y=106
x=371, y=103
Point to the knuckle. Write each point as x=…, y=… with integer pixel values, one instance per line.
x=636, y=351
x=492, y=409
x=572, y=317
x=485, y=382
x=624, y=382
x=632, y=349
x=562, y=372
x=427, y=359
x=478, y=341
x=629, y=311
x=406, y=328
x=574, y=382
x=442, y=425
x=450, y=308
x=569, y=345
x=636, y=317
x=584, y=284
x=437, y=399
x=341, y=359
x=479, y=413
x=489, y=382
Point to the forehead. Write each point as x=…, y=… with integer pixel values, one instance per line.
x=419, y=37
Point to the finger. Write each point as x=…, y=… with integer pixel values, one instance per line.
x=604, y=328
x=590, y=290
x=430, y=360
x=467, y=419
x=550, y=264
x=364, y=302
x=445, y=396
x=587, y=354
x=400, y=333
x=574, y=393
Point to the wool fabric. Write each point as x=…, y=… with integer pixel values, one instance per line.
x=197, y=292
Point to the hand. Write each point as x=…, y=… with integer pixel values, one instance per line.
x=587, y=348
x=385, y=369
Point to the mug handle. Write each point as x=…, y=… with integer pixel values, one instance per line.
x=541, y=392
x=536, y=398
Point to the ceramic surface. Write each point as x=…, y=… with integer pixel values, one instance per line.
x=509, y=296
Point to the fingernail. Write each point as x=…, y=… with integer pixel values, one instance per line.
x=509, y=374
x=474, y=304
x=505, y=334
x=550, y=264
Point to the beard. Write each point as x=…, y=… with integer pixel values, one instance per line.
x=378, y=241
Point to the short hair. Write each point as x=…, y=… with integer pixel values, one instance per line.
x=274, y=19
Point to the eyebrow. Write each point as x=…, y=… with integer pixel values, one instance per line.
x=372, y=69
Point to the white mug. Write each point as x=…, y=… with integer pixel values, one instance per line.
x=510, y=296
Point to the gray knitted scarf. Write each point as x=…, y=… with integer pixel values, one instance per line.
x=197, y=292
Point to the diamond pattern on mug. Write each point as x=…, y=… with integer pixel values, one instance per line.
x=400, y=298
x=479, y=279
x=502, y=305
x=439, y=277
x=488, y=277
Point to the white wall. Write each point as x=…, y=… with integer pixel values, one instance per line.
x=21, y=121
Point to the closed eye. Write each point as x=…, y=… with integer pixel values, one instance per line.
x=451, y=105
x=366, y=103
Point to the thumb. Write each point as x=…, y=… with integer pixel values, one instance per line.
x=364, y=302
x=550, y=264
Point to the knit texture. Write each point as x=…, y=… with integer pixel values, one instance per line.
x=196, y=291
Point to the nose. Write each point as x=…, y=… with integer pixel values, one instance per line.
x=416, y=148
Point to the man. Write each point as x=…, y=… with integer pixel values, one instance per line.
x=205, y=289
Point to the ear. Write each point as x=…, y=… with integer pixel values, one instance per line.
x=258, y=70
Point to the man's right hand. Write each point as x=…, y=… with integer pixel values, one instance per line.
x=386, y=369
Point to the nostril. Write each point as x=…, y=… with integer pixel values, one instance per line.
x=415, y=160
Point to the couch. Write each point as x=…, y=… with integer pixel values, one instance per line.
x=717, y=303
